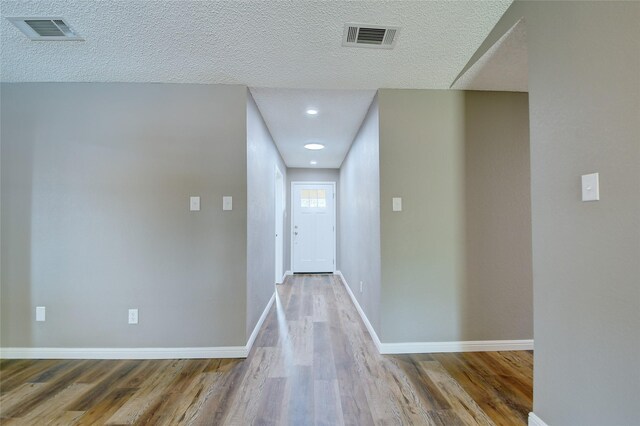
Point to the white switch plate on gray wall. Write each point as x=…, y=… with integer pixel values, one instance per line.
x=397, y=204
x=591, y=187
x=227, y=203
x=194, y=204
x=41, y=313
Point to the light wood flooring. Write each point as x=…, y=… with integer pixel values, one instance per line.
x=313, y=363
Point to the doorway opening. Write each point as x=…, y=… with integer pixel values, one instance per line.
x=279, y=225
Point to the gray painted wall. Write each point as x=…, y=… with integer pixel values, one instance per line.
x=584, y=92
x=422, y=247
x=309, y=175
x=96, y=180
x=498, y=285
x=584, y=82
x=359, y=239
x=456, y=262
x=262, y=159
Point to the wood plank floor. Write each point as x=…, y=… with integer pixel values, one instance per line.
x=313, y=363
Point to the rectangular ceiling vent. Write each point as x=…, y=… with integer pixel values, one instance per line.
x=375, y=36
x=46, y=29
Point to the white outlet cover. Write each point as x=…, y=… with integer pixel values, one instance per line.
x=133, y=316
x=591, y=187
x=194, y=204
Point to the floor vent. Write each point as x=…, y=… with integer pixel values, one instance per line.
x=373, y=36
x=46, y=29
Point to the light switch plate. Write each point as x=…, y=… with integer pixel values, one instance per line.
x=397, y=204
x=591, y=187
x=194, y=204
x=227, y=203
x=40, y=313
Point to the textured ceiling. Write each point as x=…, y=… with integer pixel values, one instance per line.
x=503, y=67
x=292, y=44
x=267, y=44
x=340, y=114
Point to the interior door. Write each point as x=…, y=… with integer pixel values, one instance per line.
x=279, y=225
x=313, y=227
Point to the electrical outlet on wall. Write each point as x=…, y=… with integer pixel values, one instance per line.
x=360, y=286
x=133, y=316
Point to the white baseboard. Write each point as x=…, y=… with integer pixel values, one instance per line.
x=124, y=353
x=284, y=277
x=372, y=332
x=140, y=353
x=458, y=346
x=536, y=421
x=256, y=329
x=435, y=347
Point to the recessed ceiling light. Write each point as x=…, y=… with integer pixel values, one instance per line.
x=313, y=162
x=314, y=146
x=312, y=111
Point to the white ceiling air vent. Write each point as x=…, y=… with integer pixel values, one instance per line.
x=375, y=36
x=46, y=29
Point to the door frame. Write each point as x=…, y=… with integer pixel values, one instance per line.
x=335, y=218
x=279, y=254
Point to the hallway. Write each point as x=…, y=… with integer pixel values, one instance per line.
x=314, y=359
x=312, y=363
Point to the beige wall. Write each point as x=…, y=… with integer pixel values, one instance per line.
x=96, y=180
x=456, y=262
x=498, y=287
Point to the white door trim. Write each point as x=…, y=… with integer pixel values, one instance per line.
x=279, y=266
x=335, y=218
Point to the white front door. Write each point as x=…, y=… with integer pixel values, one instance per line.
x=313, y=227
